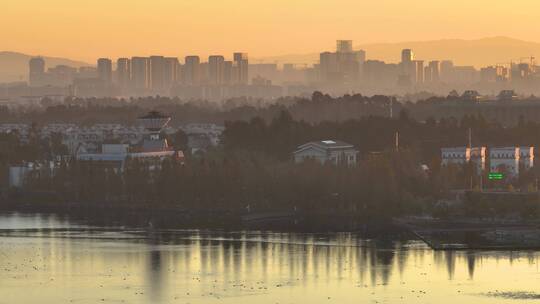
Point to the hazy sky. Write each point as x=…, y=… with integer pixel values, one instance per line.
x=86, y=29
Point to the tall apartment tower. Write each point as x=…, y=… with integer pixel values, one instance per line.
x=344, y=46
x=157, y=73
x=408, y=69
x=227, y=72
x=329, y=67
x=123, y=72
x=170, y=70
x=36, y=70
x=447, y=71
x=419, y=67
x=360, y=59
x=434, y=68
x=241, y=64
x=192, y=70
x=344, y=66
x=216, y=69
x=104, y=70
x=139, y=72
x=407, y=55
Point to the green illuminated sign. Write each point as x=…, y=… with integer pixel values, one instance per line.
x=495, y=176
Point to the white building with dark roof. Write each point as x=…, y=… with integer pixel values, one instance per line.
x=504, y=158
x=327, y=151
x=464, y=155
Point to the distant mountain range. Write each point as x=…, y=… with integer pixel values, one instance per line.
x=14, y=66
x=478, y=53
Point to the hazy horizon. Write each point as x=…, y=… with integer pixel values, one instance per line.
x=386, y=51
x=84, y=31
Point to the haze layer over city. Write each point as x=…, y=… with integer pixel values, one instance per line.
x=234, y=151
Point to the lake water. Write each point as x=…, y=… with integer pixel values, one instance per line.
x=46, y=259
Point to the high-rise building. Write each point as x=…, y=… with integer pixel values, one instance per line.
x=407, y=55
x=408, y=70
x=447, y=71
x=360, y=56
x=427, y=74
x=241, y=63
x=203, y=73
x=123, y=72
x=434, y=67
x=216, y=65
x=344, y=46
x=104, y=69
x=227, y=72
x=342, y=67
x=157, y=73
x=170, y=70
x=348, y=66
x=329, y=68
x=361, y=59
x=36, y=70
x=140, y=72
x=192, y=70
x=419, y=68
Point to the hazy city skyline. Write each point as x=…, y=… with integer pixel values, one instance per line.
x=86, y=31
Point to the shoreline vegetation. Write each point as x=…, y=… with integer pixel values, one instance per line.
x=252, y=173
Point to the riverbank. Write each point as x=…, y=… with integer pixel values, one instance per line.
x=475, y=233
x=139, y=215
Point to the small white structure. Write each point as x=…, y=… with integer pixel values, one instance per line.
x=464, y=155
x=17, y=175
x=118, y=154
x=504, y=158
x=327, y=151
x=526, y=157
x=455, y=155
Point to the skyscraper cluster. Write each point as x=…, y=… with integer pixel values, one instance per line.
x=344, y=66
x=343, y=70
x=144, y=75
x=160, y=74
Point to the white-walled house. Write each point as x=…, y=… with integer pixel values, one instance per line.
x=455, y=155
x=327, y=151
x=504, y=157
x=464, y=155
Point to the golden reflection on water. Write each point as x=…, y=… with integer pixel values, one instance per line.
x=118, y=266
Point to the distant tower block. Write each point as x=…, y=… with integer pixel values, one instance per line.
x=154, y=122
x=344, y=46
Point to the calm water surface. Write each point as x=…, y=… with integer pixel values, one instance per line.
x=46, y=259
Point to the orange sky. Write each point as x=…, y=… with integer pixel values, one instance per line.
x=87, y=29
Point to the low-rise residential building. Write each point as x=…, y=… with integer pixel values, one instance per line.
x=504, y=159
x=327, y=151
x=464, y=155
x=116, y=155
x=202, y=136
x=22, y=130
